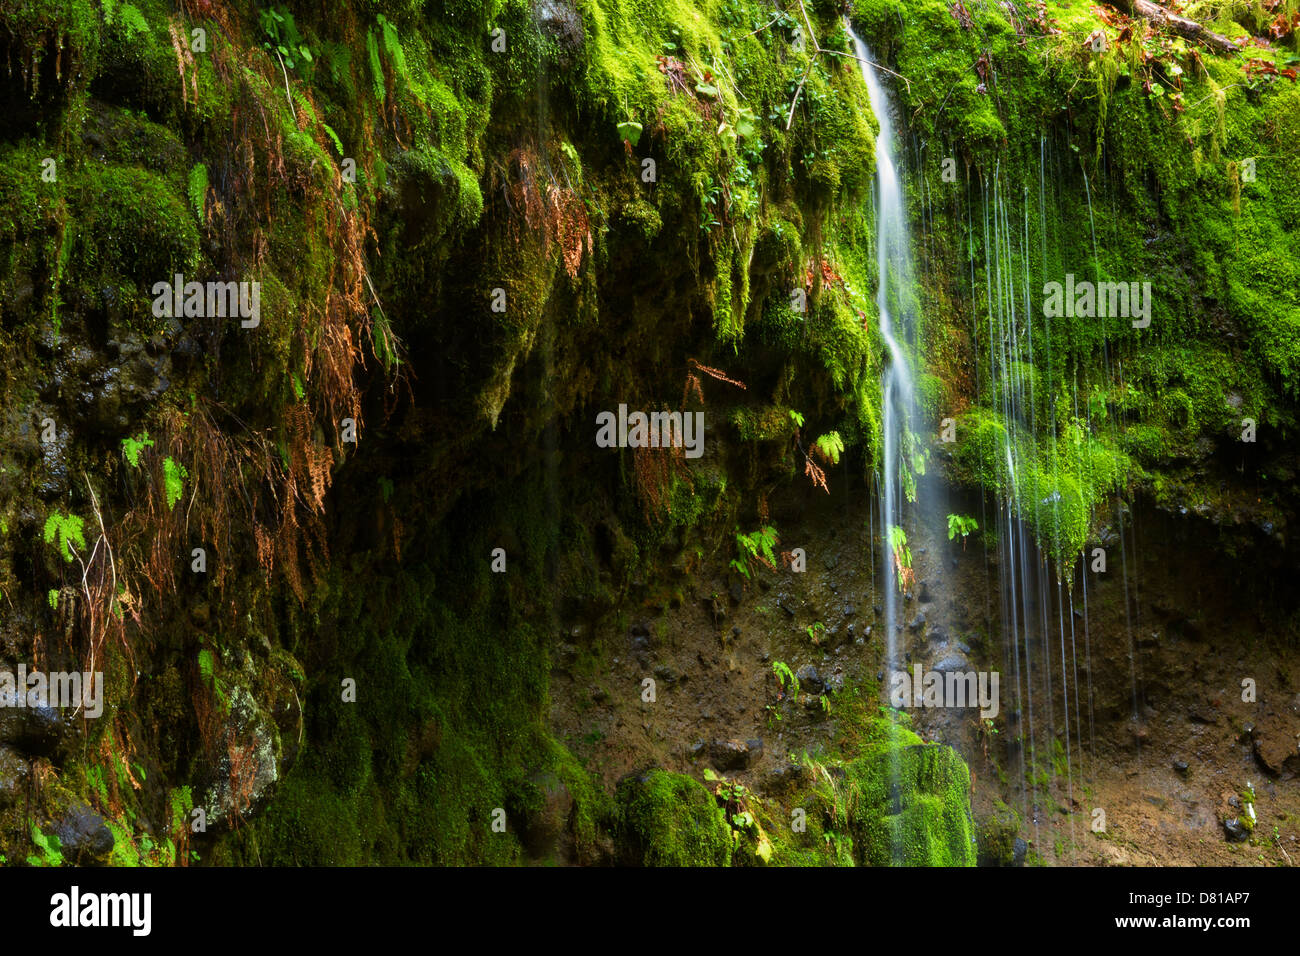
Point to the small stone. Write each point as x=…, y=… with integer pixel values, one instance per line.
x=918, y=622
x=1235, y=830
x=1180, y=766
x=850, y=610
x=810, y=680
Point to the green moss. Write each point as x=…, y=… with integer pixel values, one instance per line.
x=670, y=820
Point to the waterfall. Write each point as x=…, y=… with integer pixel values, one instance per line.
x=895, y=292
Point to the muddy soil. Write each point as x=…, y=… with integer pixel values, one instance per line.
x=1138, y=715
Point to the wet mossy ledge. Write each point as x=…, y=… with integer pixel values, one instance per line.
x=475, y=225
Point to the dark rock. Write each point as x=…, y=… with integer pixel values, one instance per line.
x=1235, y=830
x=810, y=680
x=560, y=20
x=546, y=820
x=697, y=748
x=831, y=561
x=1181, y=766
x=83, y=836
x=640, y=629
x=918, y=622
x=785, y=778
x=737, y=592
x=850, y=610
x=1020, y=848
x=735, y=754
x=13, y=776
x=925, y=595
x=835, y=683
x=667, y=674
x=36, y=731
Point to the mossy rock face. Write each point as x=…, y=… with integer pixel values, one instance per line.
x=669, y=819
x=921, y=817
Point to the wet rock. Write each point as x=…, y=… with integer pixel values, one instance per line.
x=953, y=662
x=918, y=622
x=546, y=814
x=1019, y=849
x=963, y=647
x=937, y=634
x=36, y=731
x=735, y=754
x=84, y=838
x=809, y=680
x=1181, y=766
x=13, y=776
x=667, y=674
x=560, y=20
x=925, y=595
x=1235, y=831
x=835, y=683
x=784, y=779
x=697, y=748
x=850, y=611
x=245, y=774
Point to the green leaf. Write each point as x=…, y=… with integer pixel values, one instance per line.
x=630, y=131
x=174, y=475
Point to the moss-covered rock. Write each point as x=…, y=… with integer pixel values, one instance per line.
x=669, y=819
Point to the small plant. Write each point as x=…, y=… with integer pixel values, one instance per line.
x=902, y=556
x=755, y=547
x=816, y=632
x=796, y=418
x=786, y=679
x=51, y=851
x=174, y=475
x=63, y=531
x=961, y=525
x=282, y=37
x=52, y=598
x=830, y=446
x=131, y=447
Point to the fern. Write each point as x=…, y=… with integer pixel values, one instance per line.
x=376, y=65
x=830, y=446
x=786, y=678
x=205, y=665
x=51, y=850
x=131, y=447
x=64, y=530
x=174, y=475
x=198, y=189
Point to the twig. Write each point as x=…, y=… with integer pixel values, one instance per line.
x=862, y=59
x=287, y=95
x=760, y=29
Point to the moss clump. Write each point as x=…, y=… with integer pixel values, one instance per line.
x=908, y=802
x=669, y=819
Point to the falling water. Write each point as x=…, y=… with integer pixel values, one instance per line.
x=895, y=290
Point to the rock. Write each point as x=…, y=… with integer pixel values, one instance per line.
x=810, y=680
x=918, y=622
x=937, y=634
x=1235, y=830
x=697, y=748
x=737, y=592
x=13, y=776
x=245, y=774
x=835, y=683
x=925, y=595
x=667, y=674
x=36, y=731
x=831, y=561
x=850, y=610
x=560, y=20
x=1019, y=849
x=546, y=819
x=784, y=778
x=735, y=754
x=1181, y=766
x=83, y=836
x=640, y=629
x=953, y=662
